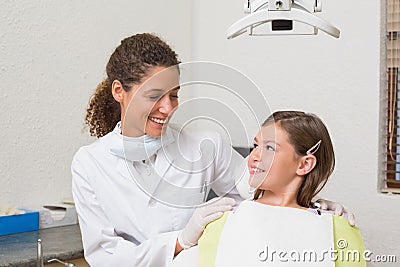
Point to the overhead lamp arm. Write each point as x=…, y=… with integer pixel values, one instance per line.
x=264, y=11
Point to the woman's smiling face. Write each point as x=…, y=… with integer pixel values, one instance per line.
x=151, y=103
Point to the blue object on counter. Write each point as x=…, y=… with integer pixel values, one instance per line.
x=12, y=224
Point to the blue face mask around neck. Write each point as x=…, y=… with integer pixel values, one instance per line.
x=138, y=148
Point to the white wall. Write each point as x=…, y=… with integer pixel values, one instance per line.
x=52, y=56
x=338, y=79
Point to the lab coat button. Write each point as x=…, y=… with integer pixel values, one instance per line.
x=152, y=202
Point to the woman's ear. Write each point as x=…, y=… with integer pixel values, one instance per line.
x=117, y=91
x=307, y=164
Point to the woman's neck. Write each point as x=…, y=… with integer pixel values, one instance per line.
x=125, y=130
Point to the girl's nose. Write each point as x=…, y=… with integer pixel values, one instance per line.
x=255, y=154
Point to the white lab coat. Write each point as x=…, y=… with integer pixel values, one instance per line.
x=124, y=225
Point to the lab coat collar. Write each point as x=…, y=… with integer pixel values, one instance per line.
x=138, y=148
x=151, y=181
x=162, y=163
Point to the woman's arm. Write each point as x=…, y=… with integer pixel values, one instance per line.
x=102, y=246
x=178, y=248
x=228, y=167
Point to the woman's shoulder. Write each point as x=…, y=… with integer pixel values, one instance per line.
x=189, y=139
x=193, y=133
x=97, y=147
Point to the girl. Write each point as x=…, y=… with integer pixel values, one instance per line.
x=291, y=162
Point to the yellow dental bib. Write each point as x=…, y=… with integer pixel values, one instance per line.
x=261, y=235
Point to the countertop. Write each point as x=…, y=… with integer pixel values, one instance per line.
x=63, y=243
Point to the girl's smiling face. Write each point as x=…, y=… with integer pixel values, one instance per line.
x=273, y=163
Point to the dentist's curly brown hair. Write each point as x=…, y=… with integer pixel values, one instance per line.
x=129, y=63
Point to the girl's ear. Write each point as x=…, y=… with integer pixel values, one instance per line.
x=117, y=91
x=307, y=164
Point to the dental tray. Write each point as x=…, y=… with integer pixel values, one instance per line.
x=12, y=224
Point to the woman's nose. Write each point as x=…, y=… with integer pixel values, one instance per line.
x=165, y=105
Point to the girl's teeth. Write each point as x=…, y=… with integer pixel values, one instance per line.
x=256, y=170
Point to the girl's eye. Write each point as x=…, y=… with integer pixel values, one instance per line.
x=252, y=148
x=174, y=96
x=270, y=148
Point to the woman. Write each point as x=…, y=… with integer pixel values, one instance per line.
x=136, y=188
x=128, y=217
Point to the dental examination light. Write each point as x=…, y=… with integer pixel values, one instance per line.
x=282, y=17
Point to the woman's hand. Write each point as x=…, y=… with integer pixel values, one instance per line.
x=213, y=209
x=338, y=209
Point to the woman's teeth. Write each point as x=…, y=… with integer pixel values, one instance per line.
x=158, y=120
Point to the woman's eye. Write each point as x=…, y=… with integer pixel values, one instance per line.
x=154, y=97
x=270, y=148
x=174, y=96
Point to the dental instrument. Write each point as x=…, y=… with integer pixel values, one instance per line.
x=39, y=253
x=64, y=263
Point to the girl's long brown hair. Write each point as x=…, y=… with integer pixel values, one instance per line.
x=304, y=131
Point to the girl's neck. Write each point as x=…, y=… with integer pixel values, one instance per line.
x=283, y=199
